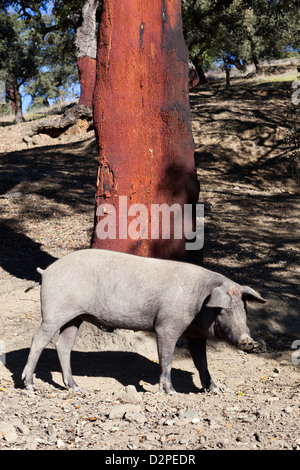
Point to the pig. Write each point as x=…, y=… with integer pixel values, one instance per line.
x=119, y=290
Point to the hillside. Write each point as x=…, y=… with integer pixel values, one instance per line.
x=250, y=189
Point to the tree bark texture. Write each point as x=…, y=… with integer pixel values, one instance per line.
x=12, y=98
x=87, y=77
x=142, y=119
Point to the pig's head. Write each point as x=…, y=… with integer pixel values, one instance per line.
x=228, y=306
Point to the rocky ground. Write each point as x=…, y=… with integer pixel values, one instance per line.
x=121, y=408
x=252, y=228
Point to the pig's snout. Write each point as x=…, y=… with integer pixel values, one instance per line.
x=246, y=343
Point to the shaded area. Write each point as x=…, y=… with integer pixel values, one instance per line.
x=56, y=180
x=251, y=201
x=128, y=368
x=250, y=115
x=20, y=256
x=65, y=173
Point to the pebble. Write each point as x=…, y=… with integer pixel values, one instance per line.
x=60, y=443
x=51, y=430
x=135, y=416
x=23, y=429
x=169, y=422
x=31, y=443
x=9, y=432
x=119, y=411
x=131, y=395
x=191, y=416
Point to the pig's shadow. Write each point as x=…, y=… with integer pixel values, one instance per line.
x=128, y=368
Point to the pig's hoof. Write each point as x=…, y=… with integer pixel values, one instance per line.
x=76, y=389
x=168, y=390
x=212, y=388
x=215, y=389
x=29, y=387
x=259, y=346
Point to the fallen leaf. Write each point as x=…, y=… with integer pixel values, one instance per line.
x=93, y=418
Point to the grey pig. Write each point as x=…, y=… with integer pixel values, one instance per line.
x=119, y=290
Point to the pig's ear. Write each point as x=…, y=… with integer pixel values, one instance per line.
x=251, y=294
x=218, y=298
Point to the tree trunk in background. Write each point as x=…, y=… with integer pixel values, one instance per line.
x=18, y=106
x=256, y=62
x=142, y=123
x=198, y=62
x=227, y=71
x=12, y=98
x=86, y=49
x=87, y=77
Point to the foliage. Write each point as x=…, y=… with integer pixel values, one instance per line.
x=241, y=31
x=34, y=53
x=58, y=70
x=64, y=11
x=37, y=49
x=19, y=51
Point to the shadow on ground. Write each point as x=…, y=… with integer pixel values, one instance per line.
x=249, y=194
x=128, y=368
x=20, y=256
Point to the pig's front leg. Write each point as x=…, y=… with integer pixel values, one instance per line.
x=197, y=347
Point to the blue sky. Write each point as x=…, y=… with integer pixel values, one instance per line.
x=27, y=100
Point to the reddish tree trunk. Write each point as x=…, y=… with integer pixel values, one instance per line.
x=11, y=95
x=87, y=76
x=86, y=49
x=142, y=121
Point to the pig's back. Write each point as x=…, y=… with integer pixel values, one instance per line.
x=120, y=289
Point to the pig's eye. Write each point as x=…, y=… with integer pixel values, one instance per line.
x=222, y=310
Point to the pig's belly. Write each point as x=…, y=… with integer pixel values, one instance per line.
x=126, y=317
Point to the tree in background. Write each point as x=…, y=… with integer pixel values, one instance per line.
x=64, y=33
x=19, y=57
x=82, y=15
x=86, y=50
x=58, y=71
x=240, y=32
x=73, y=30
x=270, y=28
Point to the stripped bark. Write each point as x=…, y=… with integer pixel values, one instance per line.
x=142, y=120
x=86, y=49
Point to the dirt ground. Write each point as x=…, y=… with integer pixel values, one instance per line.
x=251, y=199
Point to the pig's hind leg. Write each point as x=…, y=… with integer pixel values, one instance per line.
x=40, y=340
x=64, y=347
